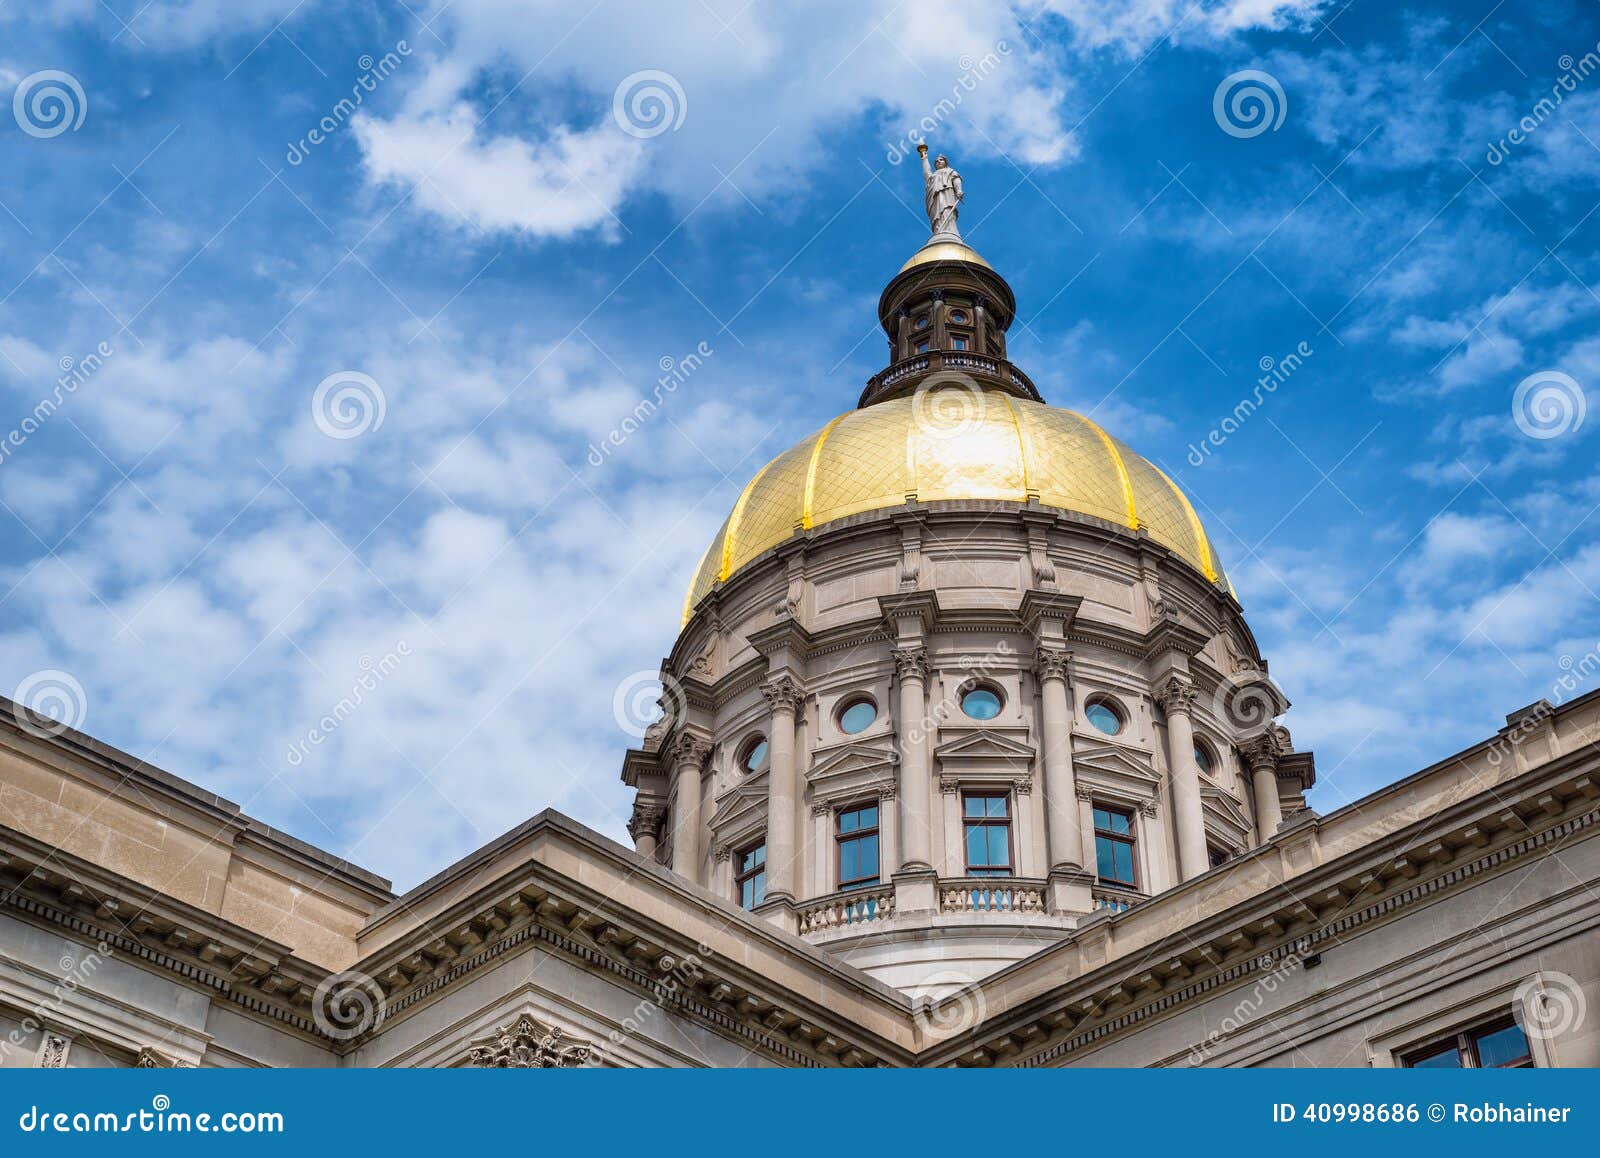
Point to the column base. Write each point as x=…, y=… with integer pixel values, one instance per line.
x=916, y=889
x=1069, y=890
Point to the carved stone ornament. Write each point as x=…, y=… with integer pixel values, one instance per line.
x=1050, y=663
x=1147, y=807
x=1083, y=792
x=690, y=750
x=911, y=663
x=646, y=819
x=1177, y=695
x=53, y=1052
x=527, y=1045
x=782, y=694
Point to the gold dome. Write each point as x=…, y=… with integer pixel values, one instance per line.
x=953, y=443
x=944, y=251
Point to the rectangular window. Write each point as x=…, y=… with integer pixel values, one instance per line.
x=857, y=835
x=958, y=342
x=1500, y=1045
x=751, y=878
x=1216, y=856
x=988, y=825
x=922, y=346
x=1113, y=846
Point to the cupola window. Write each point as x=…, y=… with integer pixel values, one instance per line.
x=754, y=757
x=751, y=878
x=958, y=317
x=1113, y=846
x=857, y=716
x=988, y=829
x=1105, y=715
x=981, y=702
x=857, y=837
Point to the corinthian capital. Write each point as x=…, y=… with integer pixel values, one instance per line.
x=1050, y=663
x=689, y=749
x=646, y=819
x=911, y=663
x=1262, y=752
x=1177, y=694
x=782, y=694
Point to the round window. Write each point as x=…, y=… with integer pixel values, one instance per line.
x=1202, y=758
x=922, y=322
x=755, y=755
x=959, y=317
x=1104, y=716
x=980, y=703
x=857, y=716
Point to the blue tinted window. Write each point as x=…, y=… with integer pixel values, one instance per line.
x=981, y=704
x=755, y=756
x=858, y=717
x=1104, y=717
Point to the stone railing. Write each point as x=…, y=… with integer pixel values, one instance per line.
x=847, y=909
x=1118, y=900
x=992, y=895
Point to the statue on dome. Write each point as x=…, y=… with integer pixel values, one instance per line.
x=942, y=193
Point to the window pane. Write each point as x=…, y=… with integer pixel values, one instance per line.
x=1124, y=863
x=980, y=703
x=1105, y=857
x=756, y=757
x=997, y=806
x=849, y=861
x=1121, y=822
x=974, y=806
x=975, y=845
x=1202, y=758
x=1103, y=718
x=869, y=856
x=869, y=817
x=1102, y=818
x=1446, y=1059
x=758, y=886
x=1502, y=1046
x=999, y=847
x=849, y=821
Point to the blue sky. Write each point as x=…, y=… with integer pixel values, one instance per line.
x=506, y=260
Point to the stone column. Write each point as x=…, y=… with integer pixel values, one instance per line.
x=1178, y=696
x=1262, y=752
x=1069, y=882
x=980, y=319
x=645, y=826
x=783, y=698
x=1060, y=785
x=916, y=768
x=689, y=754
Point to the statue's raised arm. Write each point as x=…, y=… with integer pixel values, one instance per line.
x=942, y=193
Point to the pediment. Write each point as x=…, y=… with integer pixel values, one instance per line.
x=983, y=744
x=744, y=798
x=849, y=758
x=1116, y=763
x=1225, y=810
